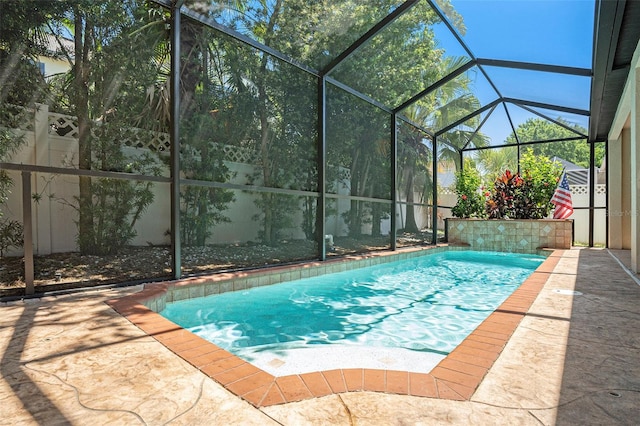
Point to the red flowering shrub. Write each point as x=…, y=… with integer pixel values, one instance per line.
x=506, y=201
x=513, y=196
x=527, y=196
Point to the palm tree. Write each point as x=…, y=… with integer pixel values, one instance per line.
x=414, y=161
x=435, y=111
x=453, y=141
x=493, y=162
x=448, y=103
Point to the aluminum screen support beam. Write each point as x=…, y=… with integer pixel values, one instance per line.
x=464, y=68
x=484, y=120
x=434, y=190
x=530, y=66
x=467, y=117
x=28, y=234
x=543, y=105
x=480, y=148
x=592, y=188
x=559, y=123
x=176, y=257
x=394, y=182
x=321, y=223
x=400, y=10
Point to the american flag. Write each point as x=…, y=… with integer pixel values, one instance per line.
x=562, y=199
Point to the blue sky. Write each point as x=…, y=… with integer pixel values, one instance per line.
x=554, y=32
x=544, y=31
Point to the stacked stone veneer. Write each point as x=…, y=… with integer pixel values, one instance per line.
x=518, y=236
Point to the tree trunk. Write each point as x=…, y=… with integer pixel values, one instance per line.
x=376, y=217
x=410, y=222
x=83, y=36
x=270, y=232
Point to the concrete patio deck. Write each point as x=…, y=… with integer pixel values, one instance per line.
x=573, y=359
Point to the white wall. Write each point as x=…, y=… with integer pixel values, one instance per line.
x=55, y=228
x=624, y=141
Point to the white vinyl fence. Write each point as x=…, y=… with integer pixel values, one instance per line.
x=51, y=140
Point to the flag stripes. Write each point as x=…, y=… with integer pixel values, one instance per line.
x=562, y=199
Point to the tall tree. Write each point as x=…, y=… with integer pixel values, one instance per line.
x=391, y=67
x=436, y=110
x=281, y=102
x=575, y=151
x=415, y=154
x=398, y=60
x=106, y=91
x=446, y=104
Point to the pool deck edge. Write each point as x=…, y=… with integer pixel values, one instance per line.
x=456, y=377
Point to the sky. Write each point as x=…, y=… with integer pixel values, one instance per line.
x=553, y=32
x=543, y=31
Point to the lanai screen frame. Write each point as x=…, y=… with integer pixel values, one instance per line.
x=323, y=79
x=179, y=12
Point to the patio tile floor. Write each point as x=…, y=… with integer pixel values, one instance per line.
x=454, y=379
x=544, y=357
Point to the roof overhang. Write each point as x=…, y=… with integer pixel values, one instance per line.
x=616, y=36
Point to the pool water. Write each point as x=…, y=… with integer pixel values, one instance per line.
x=427, y=304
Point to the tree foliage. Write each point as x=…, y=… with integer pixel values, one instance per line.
x=232, y=94
x=525, y=195
x=574, y=151
x=494, y=162
x=435, y=111
x=10, y=230
x=541, y=175
x=470, y=201
x=114, y=60
x=414, y=164
x=22, y=39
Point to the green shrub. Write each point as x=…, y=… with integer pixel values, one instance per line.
x=526, y=195
x=470, y=201
x=11, y=232
x=114, y=205
x=541, y=176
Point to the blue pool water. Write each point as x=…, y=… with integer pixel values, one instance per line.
x=427, y=304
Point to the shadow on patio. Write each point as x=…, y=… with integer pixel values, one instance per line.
x=601, y=379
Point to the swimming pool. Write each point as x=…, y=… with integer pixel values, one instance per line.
x=417, y=310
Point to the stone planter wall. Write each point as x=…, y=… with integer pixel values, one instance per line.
x=518, y=236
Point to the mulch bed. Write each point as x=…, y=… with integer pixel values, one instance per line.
x=62, y=271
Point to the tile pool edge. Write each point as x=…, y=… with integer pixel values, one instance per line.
x=456, y=377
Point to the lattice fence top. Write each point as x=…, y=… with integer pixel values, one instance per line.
x=579, y=189
x=446, y=191
x=600, y=189
x=63, y=125
x=147, y=139
x=67, y=126
x=238, y=154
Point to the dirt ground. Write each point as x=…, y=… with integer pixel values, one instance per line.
x=62, y=271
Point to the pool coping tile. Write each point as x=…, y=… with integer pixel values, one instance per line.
x=335, y=379
x=316, y=383
x=456, y=377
